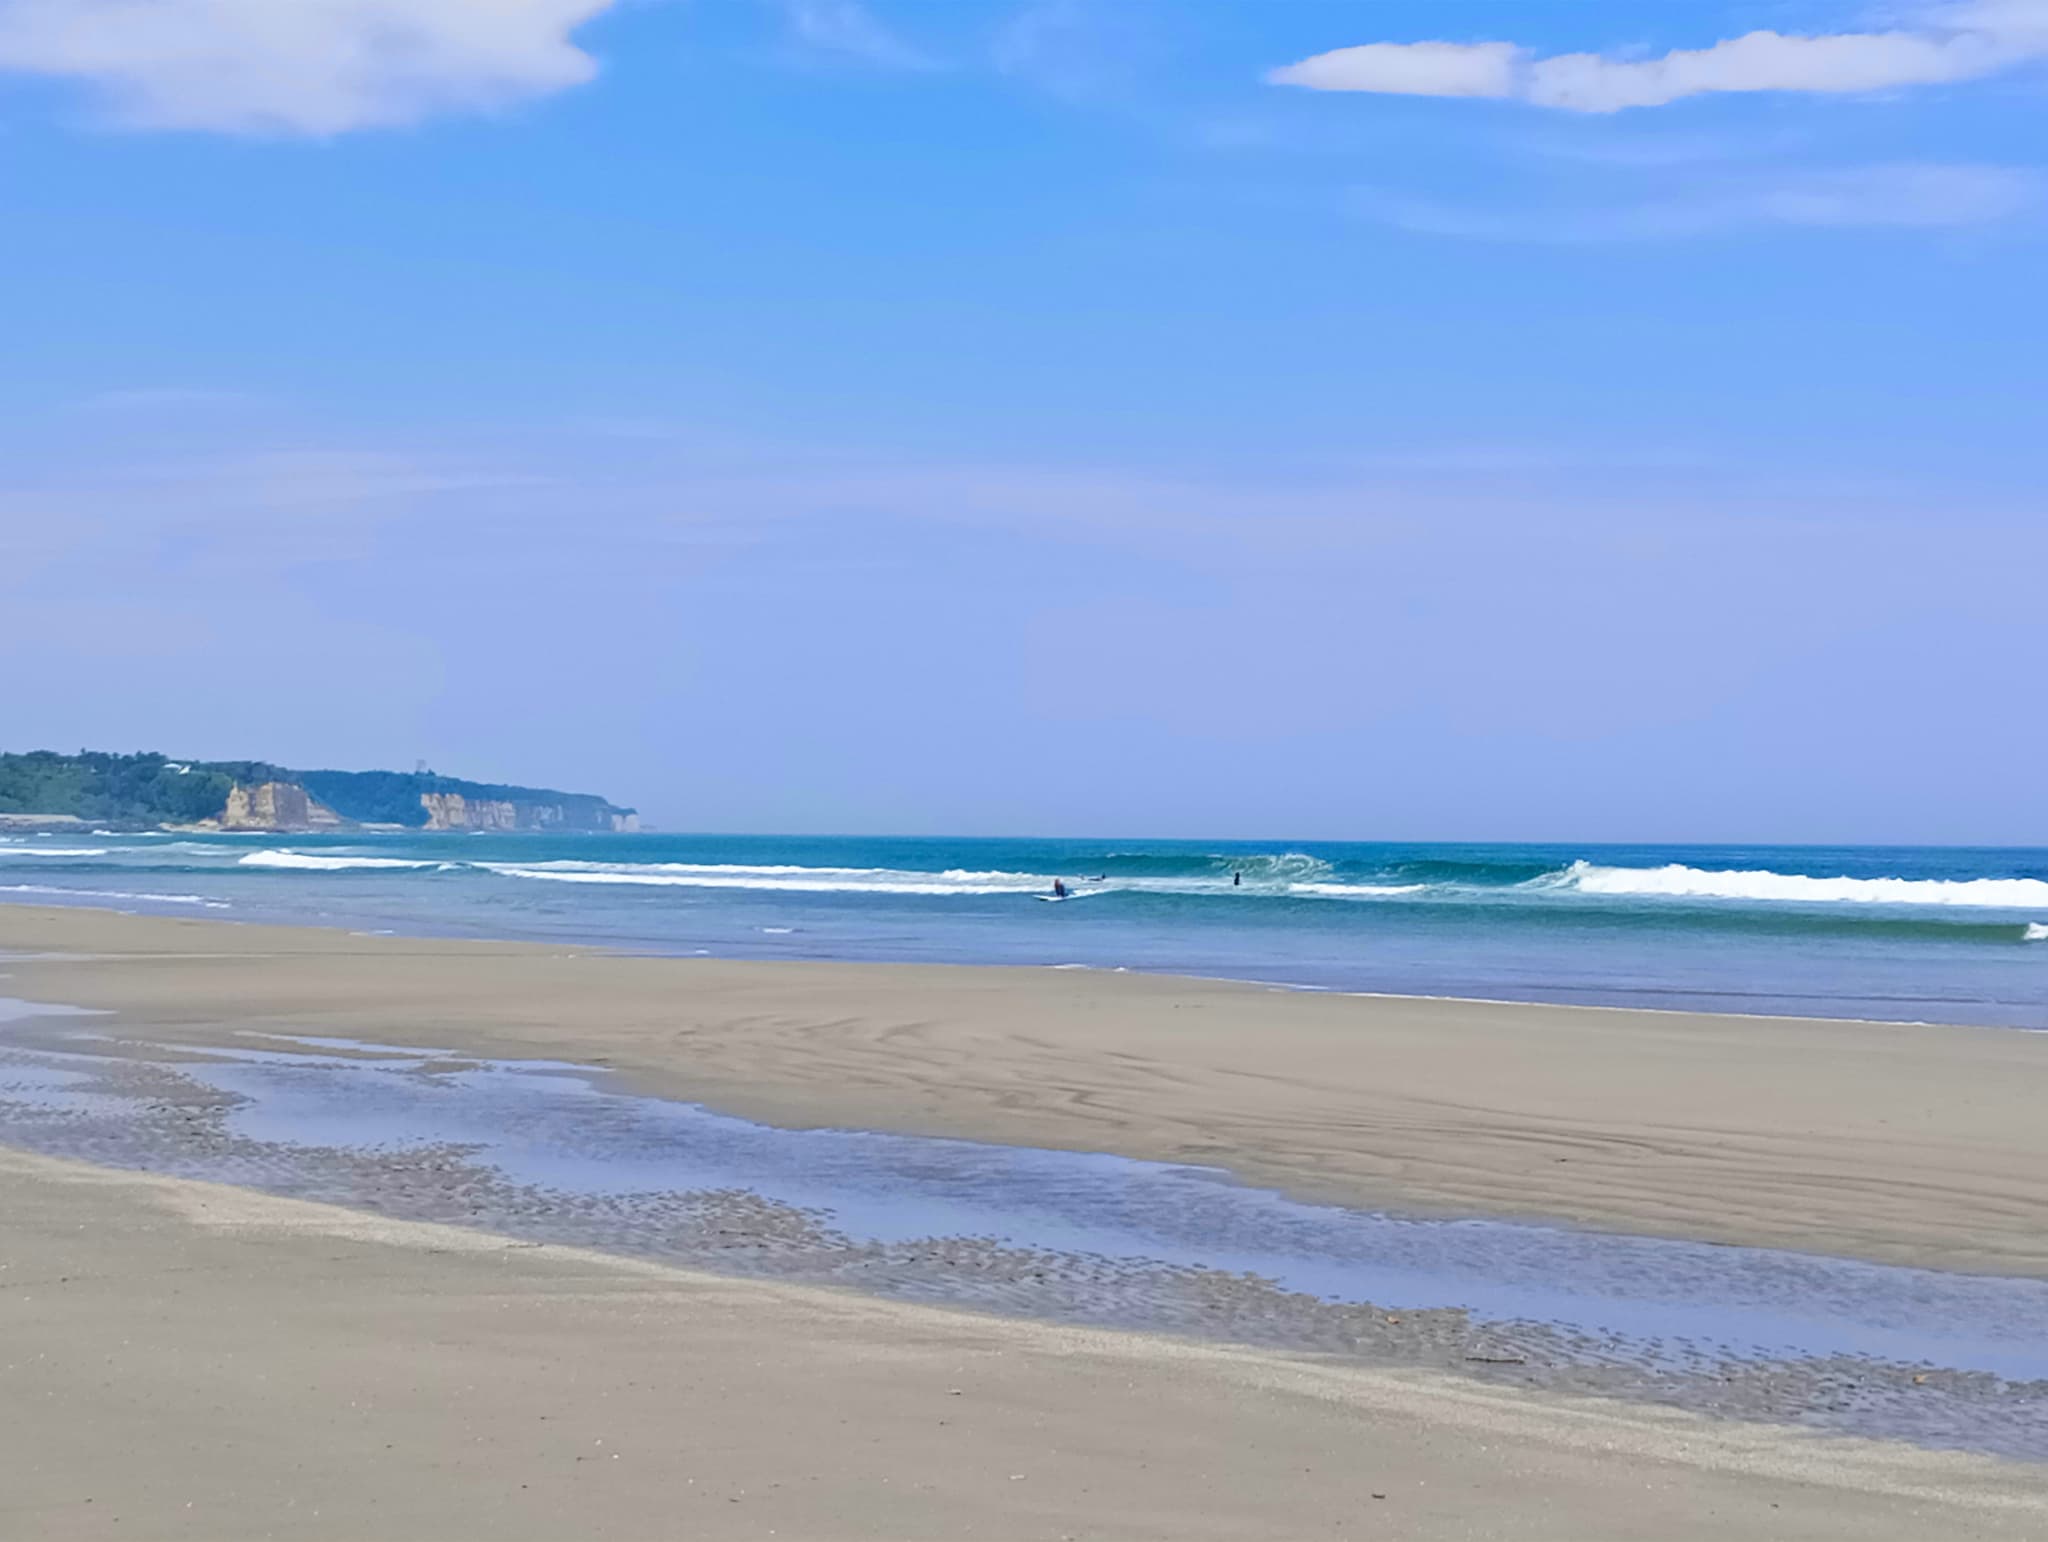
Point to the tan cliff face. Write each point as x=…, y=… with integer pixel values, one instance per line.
x=286, y=806
x=452, y=811
x=276, y=806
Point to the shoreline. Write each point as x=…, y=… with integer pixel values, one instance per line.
x=1894, y=1143
x=609, y=950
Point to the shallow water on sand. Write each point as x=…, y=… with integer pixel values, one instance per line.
x=555, y=1152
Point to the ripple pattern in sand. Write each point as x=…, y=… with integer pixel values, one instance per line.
x=553, y=1153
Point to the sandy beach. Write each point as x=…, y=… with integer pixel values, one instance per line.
x=1901, y=1144
x=189, y=1359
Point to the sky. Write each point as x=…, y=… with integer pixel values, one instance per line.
x=1377, y=419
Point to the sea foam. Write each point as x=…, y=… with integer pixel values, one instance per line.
x=1678, y=881
x=774, y=879
x=1260, y=879
x=305, y=861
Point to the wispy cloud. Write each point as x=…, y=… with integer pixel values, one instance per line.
x=1951, y=43
x=165, y=399
x=1073, y=49
x=299, y=67
x=1650, y=152
x=1914, y=195
x=846, y=29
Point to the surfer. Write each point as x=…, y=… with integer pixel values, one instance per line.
x=1059, y=888
x=1237, y=880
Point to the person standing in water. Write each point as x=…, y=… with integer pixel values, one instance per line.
x=1237, y=880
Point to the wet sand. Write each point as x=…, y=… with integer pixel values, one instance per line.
x=1899, y=1144
x=188, y=1360
x=546, y=1152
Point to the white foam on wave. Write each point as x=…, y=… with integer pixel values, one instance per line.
x=1285, y=867
x=306, y=861
x=116, y=894
x=952, y=882
x=60, y=851
x=799, y=880
x=1680, y=882
x=2037, y=931
x=962, y=882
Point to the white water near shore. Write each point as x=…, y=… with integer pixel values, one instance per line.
x=1893, y=933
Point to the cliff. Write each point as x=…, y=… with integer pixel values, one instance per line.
x=453, y=811
x=275, y=806
x=279, y=805
x=287, y=806
x=423, y=800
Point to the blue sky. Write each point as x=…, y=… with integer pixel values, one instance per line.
x=1605, y=421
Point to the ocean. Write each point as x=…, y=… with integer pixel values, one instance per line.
x=1892, y=933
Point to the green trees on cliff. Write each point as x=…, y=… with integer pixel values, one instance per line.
x=393, y=797
x=122, y=789
x=151, y=789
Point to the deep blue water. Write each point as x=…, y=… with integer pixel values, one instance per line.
x=1935, y=934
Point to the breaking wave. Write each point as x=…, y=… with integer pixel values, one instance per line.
x=1295, y=868
x=784, y=879
x=1678, y=881
x=303, y=861
x=1268, y=876
x=1900, y=896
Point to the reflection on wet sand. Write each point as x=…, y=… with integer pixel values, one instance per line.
x=553, y=1152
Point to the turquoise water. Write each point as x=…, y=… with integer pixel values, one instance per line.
x=1935, y=934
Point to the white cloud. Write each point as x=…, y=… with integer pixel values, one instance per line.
x=1911, y=195
x=1955, y=42
x=1410, y=69
x=849, y=29
x=313, y=67
x=1764, y=61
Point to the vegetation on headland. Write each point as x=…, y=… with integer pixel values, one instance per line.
x=393, y=797
x=152, y=789
x=113, y=789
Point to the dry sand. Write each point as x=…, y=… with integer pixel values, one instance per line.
x=184, y=1360
x=1904, y=1144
